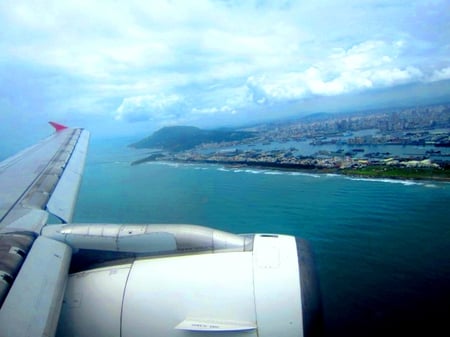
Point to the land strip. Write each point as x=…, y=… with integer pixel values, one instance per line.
x=393, y=169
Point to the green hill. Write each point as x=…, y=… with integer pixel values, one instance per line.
x=180, y=138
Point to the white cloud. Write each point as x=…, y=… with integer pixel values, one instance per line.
x=394, y=76
x=363, y=66
x=312, y=82
x=213, y=110
x=441, y=74
x=149, y=107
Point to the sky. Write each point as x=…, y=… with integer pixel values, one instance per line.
x=131, y=67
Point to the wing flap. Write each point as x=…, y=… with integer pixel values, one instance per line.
x=62, y=202
x=33, y=304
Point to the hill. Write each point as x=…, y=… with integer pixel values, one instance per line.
x=180, y=138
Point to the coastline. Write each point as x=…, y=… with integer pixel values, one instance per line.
x=369, y=172
x=381, y=145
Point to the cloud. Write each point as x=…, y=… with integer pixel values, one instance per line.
x=149, y=107
x=368, y=65
x=213, y=110
x=441, y=74
x=313, y=82
x=173, y=61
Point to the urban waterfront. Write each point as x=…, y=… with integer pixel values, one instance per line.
x=392, y=143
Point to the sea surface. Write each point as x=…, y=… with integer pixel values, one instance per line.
x=382, y=247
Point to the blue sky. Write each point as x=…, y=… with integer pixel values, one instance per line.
x=124, y=67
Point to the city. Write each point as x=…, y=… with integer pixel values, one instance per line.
x=402, y=143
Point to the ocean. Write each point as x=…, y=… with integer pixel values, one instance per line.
x=382, y=247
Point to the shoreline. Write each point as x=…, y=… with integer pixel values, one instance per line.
x=370, y=172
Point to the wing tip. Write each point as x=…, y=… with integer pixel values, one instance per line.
x=58, y=127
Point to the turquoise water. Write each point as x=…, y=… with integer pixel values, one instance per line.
x=382, y=247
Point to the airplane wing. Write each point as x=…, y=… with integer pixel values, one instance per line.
x=136, y=279
x=41, y=180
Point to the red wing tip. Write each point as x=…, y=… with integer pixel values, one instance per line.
x=58, y=127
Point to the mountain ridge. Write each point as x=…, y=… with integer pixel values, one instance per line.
x=181, y=138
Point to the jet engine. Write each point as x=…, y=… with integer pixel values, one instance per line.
x=185, y=280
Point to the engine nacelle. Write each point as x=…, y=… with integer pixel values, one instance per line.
x=267, y=289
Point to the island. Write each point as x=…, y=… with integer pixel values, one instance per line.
x=397, y=144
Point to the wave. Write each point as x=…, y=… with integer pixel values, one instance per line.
x=165, y=163
x=430, y=185
x=238, y=170
x=304, y=174
x=176, y=165
x=254, y=171
x=386, y=180
x=273, y=173
x=267, y=172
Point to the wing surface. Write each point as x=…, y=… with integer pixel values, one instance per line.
x=42, y=179
x=36, y=178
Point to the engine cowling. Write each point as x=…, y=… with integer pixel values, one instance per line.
x=269, y=288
